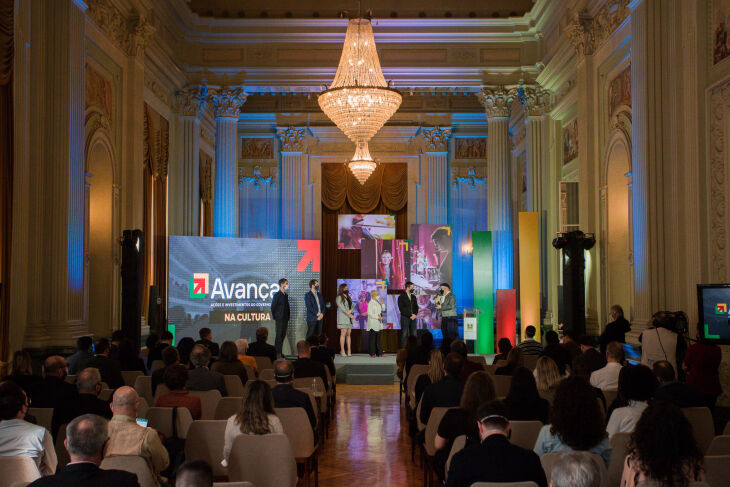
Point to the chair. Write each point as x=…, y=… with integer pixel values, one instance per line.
x=161, y=390
x=456, y=447
x=142, y=408
x=43, y=416
x=306, y=382
x=156, y=364
x=136, y=465
x=266, y=374
x=234, y=385
x=415, y=372
x=717, y=471
x=20, y=484
x=429, y=447
x=233, y=484
x=61, y=452
x=264, y=460
x=264, y=363
x=227, y=407
x=104, y=385
x=548, y=461
x=18, y=469
x=143, y=386
x=501, y=384
x=524, y=433
x=209, y=400
x=161, y=420
x=106, y=394
x=71, y=379
x=504, y=484
x=490, y=369
x=205, y=442
x=610, y=397
x=703, y=425
x=301, y=437
x=720, y=446
x=726, y=431
x=501, y=363
x=619, y=450
x=531, y=361
x=129, y=376
x=656, y=483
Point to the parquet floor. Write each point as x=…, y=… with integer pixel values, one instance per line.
x=368, y=443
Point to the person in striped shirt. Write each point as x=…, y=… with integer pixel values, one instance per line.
x=529, y=345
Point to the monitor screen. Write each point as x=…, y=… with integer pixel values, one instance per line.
x=714, y=319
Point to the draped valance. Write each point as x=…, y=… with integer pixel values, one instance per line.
x=388, y=182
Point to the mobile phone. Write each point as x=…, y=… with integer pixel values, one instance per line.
x=142, y=422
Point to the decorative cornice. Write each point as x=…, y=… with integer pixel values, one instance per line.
x=227, y=102
x=292, y=138
x=437, y=138
x=588, y=33
x=534, y=99
x=256, y=178
x=497, y=101
x=470, y=178
x=191, y=100
x=131, y=34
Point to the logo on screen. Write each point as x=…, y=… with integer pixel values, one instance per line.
x=198, y=286
x=721, y=308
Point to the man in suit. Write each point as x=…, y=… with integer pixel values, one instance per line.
x=85, y=439
x=108, y=368
x=53, y=391
x=285, y=396
x=206, y=338
x=82, y=354
x=170, y=356
x=201, y=378
x=280, y=311
x=260, y=348
x=88, y=383
x=304, y=366
x=671, y=390
x=495, y=459
x=447, y=305
x=321, y=355
x=315, y=309
x=408, y=308
x=446, y=392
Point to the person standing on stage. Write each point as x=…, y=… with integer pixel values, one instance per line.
x=449, y=323
x=375, y=324
x=280, y=311
x=408, y=307
x=344, y=318
x=314, y=303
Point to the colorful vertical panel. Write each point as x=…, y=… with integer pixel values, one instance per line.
x=507, y=315
x=529, y=245
x=483, y=290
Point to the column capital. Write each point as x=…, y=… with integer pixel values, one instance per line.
x=292, y=138
x=227, y=101
x=497, y=101
x=534, y=100
x=437, y=138
x=580, y=34
x=190, y=101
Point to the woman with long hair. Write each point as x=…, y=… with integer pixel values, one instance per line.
x=663, y=449
x=344, y=318
x=636, y=385
x=523, y=402
x=228, y=363
x=21, y=369
x=514, y=360
x=576, y=422
x=256, y=416
x=185, y=348
x=547, y=376
x=435, y=373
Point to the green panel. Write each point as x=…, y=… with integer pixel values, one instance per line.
x=171, y=329
x=483, y=290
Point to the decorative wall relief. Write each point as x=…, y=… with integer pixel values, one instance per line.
x=720, y=23
x=98, y=92
x=570, y=141
x=206, y=177
x=257, y=149
x=470, y=148
x=619, y=91
x=156, y=141
x=471, y=176
x=717, y=175
x=257, y=175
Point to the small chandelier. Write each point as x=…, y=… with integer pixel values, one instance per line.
x=359, y=101
x=362, y=164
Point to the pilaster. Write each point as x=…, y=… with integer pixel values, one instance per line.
x=292, y=181
x=438, y=174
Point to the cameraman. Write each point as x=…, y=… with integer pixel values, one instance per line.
x=663, y=340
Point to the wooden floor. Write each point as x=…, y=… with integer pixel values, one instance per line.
x=368, y=441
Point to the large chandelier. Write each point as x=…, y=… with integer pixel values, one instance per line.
x=359, y=100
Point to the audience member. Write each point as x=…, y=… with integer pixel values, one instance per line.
x=321, y=355
x=606, y=378
x=530, y=346
x=671, y=390
x=88, y=383
x=243, y=357
x=126, y=437
x=21, y=370
x=304, y=366
x=435, y=373
x=576, y=422
x=228, y=363
x=200, y=378
x=616, y=329
x=446, y=392
x=285, y=396
x=570, y=344
x=108, y=368
x=636, y=386
x=479, y=389
x=547, y=377
x=175, y=378
x=256, y=417
x=495, y=459
x=400, y=357
x=446, y=345
x=323, y=345
x=581, y=370
x=53, y=390
x=151, y=343
x=504, y=346
x=18, y=437
x=576, y=469
x=170, y=356
x=260, y=348
x=459, y=346
x=663, y=449
x=85, y=439
x=523, y=402
x=702, y=365
x=514, y=360
x=661, y=341
x=184, y=349
x=553, y=350
x=194, y=473
x=593, y=358
x=83, y=353
x=421, y=353
x=117, y=338
x=206, y=338
x=127, y=356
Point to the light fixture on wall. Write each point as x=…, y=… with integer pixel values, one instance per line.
x=359, y=100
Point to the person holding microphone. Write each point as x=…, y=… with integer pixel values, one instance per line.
x=447, y=305
x=375, y=324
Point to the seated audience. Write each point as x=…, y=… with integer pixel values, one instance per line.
x=21, y=370
x=256, y=417
x=108, y=368
x=606, y=378
x=523, y=402
x=323, y=340
x=702, y=365
x=400, y=357
x=589, y=355
x=53, y=390
x=88, y=383
x=663, y=449
x=304, y=366
x=85, y=439
x=556, y=352
x=421, y=353
x=127, y=356
x=170, y=356
x=671, y=390
x=576, y=422
x=446, y=345
x=636, y=386
x=228, y=363
x=514, y=360
x=155, y=345
x=547, y=377
x=321, y=355
x=285, y=396
x=184, y=349
x=570, y=344
x=495, y=459
x=243, y=357
x=479, y=389
x=616, y=330
x=260, y=348
x=504, y=346
x=194, y=473
x=202, y=379
x=18, y=437
x=581, y=370
x=175, y=378
x=576, y=469
x=446, y=392
x=126, y=437
x=83, y=353
x=530, y=346
x=459, y=346
x=206, y=338
x=117, y=338
x=435, y=373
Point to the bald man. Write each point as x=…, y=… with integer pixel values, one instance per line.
x=126, y=437
x=53, y=391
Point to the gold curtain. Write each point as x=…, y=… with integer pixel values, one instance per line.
x=388, y=182
x=6, y=168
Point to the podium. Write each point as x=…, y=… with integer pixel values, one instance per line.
x=471, y=323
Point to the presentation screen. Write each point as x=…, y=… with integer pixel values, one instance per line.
x=431, y=259
x=714, y=300
x=352, y=229
x=428, y=317
x=389, y=260
x=227, y=284
x=360, y=294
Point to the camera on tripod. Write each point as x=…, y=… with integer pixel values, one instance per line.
x=675, y=321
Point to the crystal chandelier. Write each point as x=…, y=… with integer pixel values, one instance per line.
x=359, y=100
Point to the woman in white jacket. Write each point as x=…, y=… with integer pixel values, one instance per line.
x=375, y=323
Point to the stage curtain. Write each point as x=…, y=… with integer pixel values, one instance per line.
x=345, y=264
x=6, y=168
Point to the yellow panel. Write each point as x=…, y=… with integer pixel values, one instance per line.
x=529, y=245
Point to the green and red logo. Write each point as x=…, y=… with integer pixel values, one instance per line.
x=199, y=286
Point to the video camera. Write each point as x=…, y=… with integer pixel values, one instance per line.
x=675, y=321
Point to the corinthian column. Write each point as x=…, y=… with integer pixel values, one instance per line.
x=438, y=175
x=292, y=181
x=535, y=101
x=497, y=102
x=227, y=104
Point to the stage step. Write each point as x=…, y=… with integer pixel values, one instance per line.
x=370, y=379
x=364, y=370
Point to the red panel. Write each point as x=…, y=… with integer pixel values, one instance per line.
x=506, y=315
